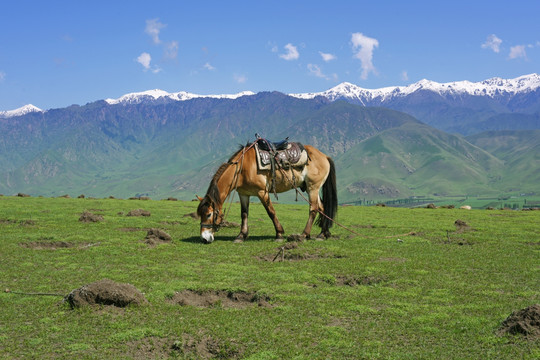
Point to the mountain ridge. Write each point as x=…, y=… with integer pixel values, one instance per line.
x=172, y=148
x=492, y=87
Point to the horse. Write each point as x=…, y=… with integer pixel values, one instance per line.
x=241, y=174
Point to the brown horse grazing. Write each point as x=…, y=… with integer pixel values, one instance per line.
x=241, y=173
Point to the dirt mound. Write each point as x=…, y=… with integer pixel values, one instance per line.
x=461, y=226
x=524, y=322
x=155, y=237
x=90, y=217
x=138, y=212
x=221, y=298
x=106, y=292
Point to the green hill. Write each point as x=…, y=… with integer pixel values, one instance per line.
x=173, y=148
x=520, y=152
x=415, y=159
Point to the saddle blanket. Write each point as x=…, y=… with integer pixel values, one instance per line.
x=294, y=155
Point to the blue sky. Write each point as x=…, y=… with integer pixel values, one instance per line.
x=57, y=53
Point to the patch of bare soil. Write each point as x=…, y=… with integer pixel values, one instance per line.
x=219, y=298
x=192, y=215
x=207, y=347
x=49, y=245
x=150, y=348
x=105, y=292
x=156, y=237
x=87, y=217
x=351, y=280
x=525, y=322
x=19, y=222
x=138, y=212
x=189, y=347
x=229, y=224
x=131, y=229
x=291, y=252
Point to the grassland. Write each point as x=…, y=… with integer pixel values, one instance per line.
x=407, y=284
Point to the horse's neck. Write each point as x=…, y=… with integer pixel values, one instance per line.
x=225, y=183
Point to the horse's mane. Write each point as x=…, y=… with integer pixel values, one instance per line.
x=212, y=197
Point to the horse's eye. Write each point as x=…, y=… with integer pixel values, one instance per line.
x=209, y=216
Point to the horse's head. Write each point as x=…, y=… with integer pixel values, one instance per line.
x=211, y=218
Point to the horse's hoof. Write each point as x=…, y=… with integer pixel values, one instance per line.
x=238, y=241
x=279, y=239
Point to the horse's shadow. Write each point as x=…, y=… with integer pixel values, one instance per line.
x=197, y=239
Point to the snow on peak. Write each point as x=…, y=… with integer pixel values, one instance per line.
x=490, y=87
x=138, y=97
x=20, y=111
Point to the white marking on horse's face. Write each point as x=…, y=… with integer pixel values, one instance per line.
x=207, y=236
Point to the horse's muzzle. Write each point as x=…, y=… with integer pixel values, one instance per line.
x=207, y=236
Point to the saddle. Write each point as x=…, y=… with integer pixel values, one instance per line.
x=283, y=154
x=279, y=155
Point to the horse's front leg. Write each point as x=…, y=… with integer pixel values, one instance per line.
x=244, y=213
x=264, y=196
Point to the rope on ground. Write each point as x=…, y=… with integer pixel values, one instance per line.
x=8, y=291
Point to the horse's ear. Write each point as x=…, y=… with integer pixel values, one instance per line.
x=199, y=198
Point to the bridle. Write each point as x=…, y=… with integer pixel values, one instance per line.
x=217, y=214
x=214, y=225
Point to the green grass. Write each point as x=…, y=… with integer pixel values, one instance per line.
x=435, y=294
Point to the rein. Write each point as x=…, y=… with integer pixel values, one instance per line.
x=234, y=186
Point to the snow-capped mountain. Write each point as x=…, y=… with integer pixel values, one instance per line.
x=369, y=97
x=138, y=97
x=20, y=111
x=492, y=88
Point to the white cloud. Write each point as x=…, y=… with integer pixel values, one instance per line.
x=241, y=79
x=144, y=59
x=493, y=43
x=171, y=50
x=291, y=54
x=2, y=76
x=363, y=47
x=517, y=51
x=153, y=27
x=207, y=66
x=316, y=71
x=327, y=57
x=404, y=75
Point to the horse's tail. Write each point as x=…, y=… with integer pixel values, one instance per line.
x=329, y=199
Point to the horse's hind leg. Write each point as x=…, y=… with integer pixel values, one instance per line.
x=314, y=207
x=244, y=212
x=265, y=200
